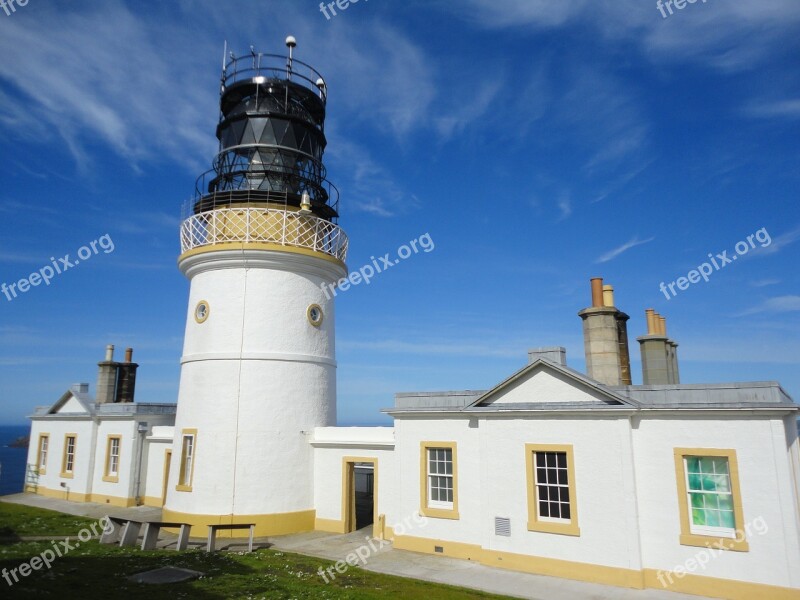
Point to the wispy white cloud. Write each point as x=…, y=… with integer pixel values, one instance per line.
x=565, y=206
x=612, y=254
x=764, y=283
x=732, y=36
x=777, y=305
x=784, y=109
x=779, y=243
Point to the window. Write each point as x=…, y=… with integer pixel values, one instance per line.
x=112, y=459
x=41, y=458
x=68, y=462
x=710, y=504
x=552, y=502
x=187, y=460
x=439, y=480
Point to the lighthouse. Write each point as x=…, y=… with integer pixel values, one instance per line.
x=259, y=244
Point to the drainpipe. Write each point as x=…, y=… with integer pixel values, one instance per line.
x=141, y=431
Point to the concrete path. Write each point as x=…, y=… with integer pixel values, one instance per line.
x=385, y=559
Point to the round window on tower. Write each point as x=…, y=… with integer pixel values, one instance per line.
x=314, y=314
x=201, y=311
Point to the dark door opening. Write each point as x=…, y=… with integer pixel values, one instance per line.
x=364, y=487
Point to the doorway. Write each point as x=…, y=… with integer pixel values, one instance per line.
x=360, y=500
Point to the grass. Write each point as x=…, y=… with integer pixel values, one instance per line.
x=93, y=571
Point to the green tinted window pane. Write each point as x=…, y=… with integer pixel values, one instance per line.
x=694, y=482
x=693, y=464
x=722, y=483
x=698, y=516
x=727, y=520
x=709, y=484
x=712, y=518
x=711, y=500
x=721, y=465
x=726, y=502
x=697, y=500
x=706, y=465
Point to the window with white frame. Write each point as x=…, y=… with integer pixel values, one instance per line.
x=440, y=478
x=69, y=454
x=112, y=467
x=552, y=486
x=187, y=460
x=44, y=442
x=709, y=495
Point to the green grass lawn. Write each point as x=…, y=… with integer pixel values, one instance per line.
x=94, y=571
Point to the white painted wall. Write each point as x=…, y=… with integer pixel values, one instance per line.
x=766, y=481
x=546, y=385
x=256, y=378
x=332, y=445
x=84, y=452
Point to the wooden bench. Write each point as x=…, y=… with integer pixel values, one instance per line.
x=212, y=534
x=152, y=529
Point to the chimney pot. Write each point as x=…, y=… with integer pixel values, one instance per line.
x=128, y=355
x=597, y=291
x=650, y=314
x=109, y=352
x=608, y=296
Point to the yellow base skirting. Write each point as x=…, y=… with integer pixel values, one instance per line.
x=329, y=525
x=78, y=497
x=274, y=524
x=647, y=578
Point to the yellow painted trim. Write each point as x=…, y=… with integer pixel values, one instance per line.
x=165, y=476
x=424, y=510
x=79, y=497
x=266, y=524
x=349, y=512
x=208, y=311
x=687, y=538
x=182, y=487
x=534, y=522
x=730, y=589
x=64, y=473
x=60, y=494
x=329, y=525
x=321, y=315
x=42, y=470
x=152, y=501
x=112, y=478
x=617, y=576
x=112, y=500
x=260, y=246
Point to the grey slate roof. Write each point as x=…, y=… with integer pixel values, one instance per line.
x=750, y=395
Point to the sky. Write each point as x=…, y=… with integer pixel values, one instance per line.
x=536, y=143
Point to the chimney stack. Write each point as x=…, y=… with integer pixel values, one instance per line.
x=659, y=353
x=605, y=333
x=116, y=382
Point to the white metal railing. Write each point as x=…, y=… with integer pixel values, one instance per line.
x=265, y=225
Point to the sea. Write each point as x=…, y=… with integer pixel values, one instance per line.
x=12, y=460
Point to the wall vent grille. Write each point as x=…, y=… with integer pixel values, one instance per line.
x=502, y=526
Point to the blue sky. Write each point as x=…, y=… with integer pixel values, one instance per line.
x=538, y=143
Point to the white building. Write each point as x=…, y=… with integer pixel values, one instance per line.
x=551, y=471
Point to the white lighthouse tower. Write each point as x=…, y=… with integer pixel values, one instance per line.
x=258, y=370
